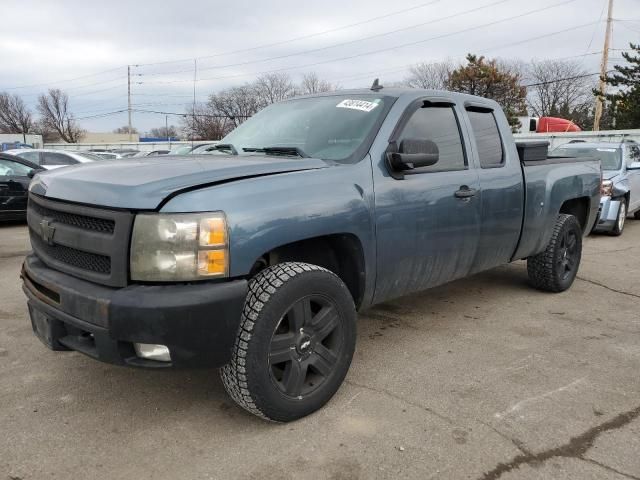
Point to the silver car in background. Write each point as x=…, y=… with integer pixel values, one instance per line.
x=620, y=195
x=51, y=159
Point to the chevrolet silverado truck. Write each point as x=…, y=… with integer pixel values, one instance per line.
x=257, y=257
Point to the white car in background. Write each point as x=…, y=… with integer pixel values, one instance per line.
x=50, y=159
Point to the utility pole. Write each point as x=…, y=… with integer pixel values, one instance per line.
x=603, y=70
x=129, y=99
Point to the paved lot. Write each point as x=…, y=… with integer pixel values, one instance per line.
x=483, y=378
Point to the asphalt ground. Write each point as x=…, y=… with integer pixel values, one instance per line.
x=483, y=378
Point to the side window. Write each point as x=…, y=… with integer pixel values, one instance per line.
x=50, y=158
x=439, y=125
x=488, y=141
x=31, y=156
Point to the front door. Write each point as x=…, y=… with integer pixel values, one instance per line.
x=427, y=223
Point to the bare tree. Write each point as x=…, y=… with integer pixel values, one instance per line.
x=55, y=115
x=311, y=83
x=125, y=130
x=429, y=75
x=15, y=117
x=273, y=87
x=236, y=104
x=202, y=122
x=559, y=88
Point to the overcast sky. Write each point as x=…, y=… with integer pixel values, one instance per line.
x=48, y=43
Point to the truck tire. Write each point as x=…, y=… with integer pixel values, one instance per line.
x=618, y=227
x=295, y=343
x=554, y=269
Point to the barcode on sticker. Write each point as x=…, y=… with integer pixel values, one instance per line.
x=361, y=105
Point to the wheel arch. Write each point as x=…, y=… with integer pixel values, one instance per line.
x=579, y=208
x=341, y=253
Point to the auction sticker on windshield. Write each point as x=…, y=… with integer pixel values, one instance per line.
x=361, y=105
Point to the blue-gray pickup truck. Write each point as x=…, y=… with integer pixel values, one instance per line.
x=256, y=258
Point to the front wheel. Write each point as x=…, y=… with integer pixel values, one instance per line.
x=618, y=227
x=295, y=343
x=555, y=269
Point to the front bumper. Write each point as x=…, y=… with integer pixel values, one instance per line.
x=608, y=214
x=198, y=322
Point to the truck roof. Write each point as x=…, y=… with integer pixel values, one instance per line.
x=409, y=93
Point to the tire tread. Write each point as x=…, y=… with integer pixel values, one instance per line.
x=261, y=288
x=540, y=267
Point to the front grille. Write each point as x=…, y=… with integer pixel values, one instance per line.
x=71, y=256
x=75, y=220
x=87, y=242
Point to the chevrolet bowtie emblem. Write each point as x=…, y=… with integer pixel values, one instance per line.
x=47, y=230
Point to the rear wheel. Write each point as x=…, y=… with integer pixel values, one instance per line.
x=618, y=227
x=295, y=342
x=636, y=215
x=554, y=269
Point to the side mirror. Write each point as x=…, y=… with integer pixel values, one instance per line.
x=413, y=154
x=32, y=173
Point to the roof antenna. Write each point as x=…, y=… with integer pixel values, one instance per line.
x=376, y=85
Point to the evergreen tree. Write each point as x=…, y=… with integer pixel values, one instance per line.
x=625, y=102
x=489, y=79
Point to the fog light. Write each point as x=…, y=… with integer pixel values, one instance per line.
x=152, y=351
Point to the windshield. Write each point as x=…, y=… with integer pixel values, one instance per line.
x=331, y=128
x=610, y=158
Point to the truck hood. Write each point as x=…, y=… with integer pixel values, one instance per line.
x=143, y=184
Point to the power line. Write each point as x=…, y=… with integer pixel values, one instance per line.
x=296, y=39
x=350, y=57
x=34, y=85
x=342, y=44
x=108, y=114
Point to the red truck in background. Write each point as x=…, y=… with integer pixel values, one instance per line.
x=547, y=125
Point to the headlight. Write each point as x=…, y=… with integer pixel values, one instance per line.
x=179, y=247
x=605, y=188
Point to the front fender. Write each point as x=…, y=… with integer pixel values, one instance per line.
x=267, y=212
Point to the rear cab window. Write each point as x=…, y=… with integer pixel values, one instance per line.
x=487, y=136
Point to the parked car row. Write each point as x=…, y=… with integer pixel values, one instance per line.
x=620, y=195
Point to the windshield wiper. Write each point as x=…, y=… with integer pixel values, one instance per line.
x=278, y=151
x=226, y=146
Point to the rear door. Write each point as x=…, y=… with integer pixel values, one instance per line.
x=502, y=185
x=427, y=223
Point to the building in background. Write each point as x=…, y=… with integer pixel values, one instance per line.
x=109, y=137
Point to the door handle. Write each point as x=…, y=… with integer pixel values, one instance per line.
x=465, y=192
